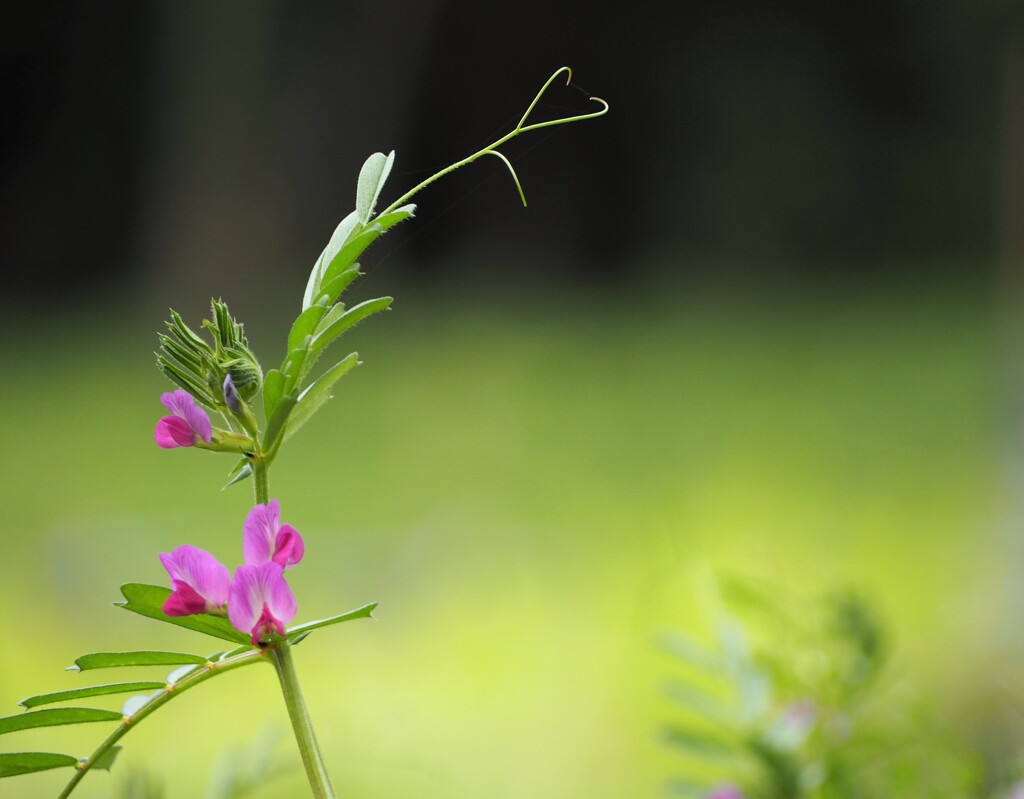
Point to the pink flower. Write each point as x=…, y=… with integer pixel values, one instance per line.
x=260, y=602
x=199, y=582
x=187, y=426
x=726, y=792
x=266, y=539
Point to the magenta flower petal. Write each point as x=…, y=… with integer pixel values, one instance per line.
x=258, y=533
x=199, y=581
x=184, y=600
x=173, y=431
x=265, y=539
x=188, y=422
x=288, y=547
x=260, y=602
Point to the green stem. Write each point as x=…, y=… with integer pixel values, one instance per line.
x=261, y=480
x=161, y=698
x=312, y=760
x=281, y=656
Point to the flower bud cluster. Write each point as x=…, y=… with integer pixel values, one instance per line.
x=201, y=368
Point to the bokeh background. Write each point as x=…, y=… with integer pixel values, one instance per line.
x=762, y=319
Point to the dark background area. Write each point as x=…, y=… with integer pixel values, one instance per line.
x=151, y=145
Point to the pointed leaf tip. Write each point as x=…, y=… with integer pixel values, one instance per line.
x=243, y=474
x=302, y=630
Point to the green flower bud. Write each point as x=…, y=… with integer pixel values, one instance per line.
x=246, y=376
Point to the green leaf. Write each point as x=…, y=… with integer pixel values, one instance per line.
x=332, y=316
x=332, y=289
x=273, y=390
x=110, y=660
x=349, y=318
x=277, y=423
x=318, y=393
x=148, y=600
x=184, y=356
x=305, y=324
x=106, y=760
x=240, y=472
x=392, y=218
x=92, y=690
x=347, y=255
x=243, y=474
x=301, y=630
x=341, y=234
x=221, y=323
x=372, y=177
x=14, y=763
x=184, y=380
x=186, y=335
x=293, y=369
x=55, y=717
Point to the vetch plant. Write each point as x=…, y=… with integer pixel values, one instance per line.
x=253, y=415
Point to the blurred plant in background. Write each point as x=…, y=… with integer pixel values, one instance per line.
x=795, y=698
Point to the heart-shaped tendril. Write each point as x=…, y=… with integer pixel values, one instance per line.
x=521, y=127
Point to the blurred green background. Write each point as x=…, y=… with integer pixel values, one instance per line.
x=763, y=323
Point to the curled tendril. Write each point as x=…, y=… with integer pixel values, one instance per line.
x=521, y=127
x=512, y=172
